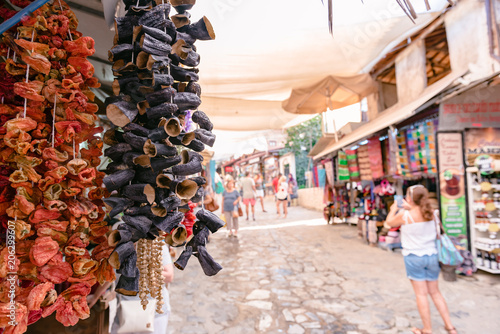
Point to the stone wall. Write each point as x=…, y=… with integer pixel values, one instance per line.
x=311, y=198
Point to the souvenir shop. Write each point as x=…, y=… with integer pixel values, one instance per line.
x=362, y=179
x=470, y=181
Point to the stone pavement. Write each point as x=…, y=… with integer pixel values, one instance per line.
x=302, y=276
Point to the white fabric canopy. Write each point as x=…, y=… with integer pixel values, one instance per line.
x=264, y=49
x=330, y=93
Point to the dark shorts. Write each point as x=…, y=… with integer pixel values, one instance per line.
x=422, y=268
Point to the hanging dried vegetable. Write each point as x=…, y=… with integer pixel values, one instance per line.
x=157, y=96
x=50, y=190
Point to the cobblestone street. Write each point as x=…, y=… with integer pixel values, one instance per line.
x=302, y=276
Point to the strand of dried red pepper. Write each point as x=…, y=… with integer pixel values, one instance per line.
x=27, y=75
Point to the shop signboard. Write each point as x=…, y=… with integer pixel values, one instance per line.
x=477, y=108
x=482, y=145
x=452, y=185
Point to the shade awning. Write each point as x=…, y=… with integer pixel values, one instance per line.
x=261, y=55
x=333, y=92
x=236, y=115
x=393, y=115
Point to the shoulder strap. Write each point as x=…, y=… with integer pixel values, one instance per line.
x=407, y=216
x=439, y=225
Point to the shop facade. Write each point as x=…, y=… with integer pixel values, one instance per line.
x=433, y=121
x=266, y=163
x=469, y=173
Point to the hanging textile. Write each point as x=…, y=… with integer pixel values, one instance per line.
x=329, y=171
x=343, y=168
x=375, y=154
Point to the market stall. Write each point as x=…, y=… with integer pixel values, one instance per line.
x=366, y=175
x=469, y=171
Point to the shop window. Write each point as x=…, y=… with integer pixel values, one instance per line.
x=437, y=55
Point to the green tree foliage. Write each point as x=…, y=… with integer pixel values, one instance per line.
x=300, y=140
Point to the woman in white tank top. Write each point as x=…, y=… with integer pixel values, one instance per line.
x=418, y=238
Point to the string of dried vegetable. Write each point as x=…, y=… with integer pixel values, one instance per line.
x=156, y=96
x=52, y=195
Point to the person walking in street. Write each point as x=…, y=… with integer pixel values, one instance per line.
x=248, y=193
x=231, y=199
x=282, y=196
x=259, y=190
x=292, y=188
x=418, y=238
x=276, y=181
x=219, y=186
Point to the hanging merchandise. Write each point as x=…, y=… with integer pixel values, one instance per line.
x=343, y=169
x=51, y=196
x=430, y=146
x=364, y=163
x=375, y=155
x=403, y=167
x=330, y=175
x=352, y=162
x=414, y=149
x=421, y=151
x=153, y=150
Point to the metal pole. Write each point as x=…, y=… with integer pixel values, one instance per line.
x=22, y=13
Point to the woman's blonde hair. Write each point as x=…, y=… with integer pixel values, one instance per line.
x=282, y=179
x=420, y=196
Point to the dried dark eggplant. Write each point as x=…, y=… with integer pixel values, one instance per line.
x=158, y=34
x=121, y=113
x=160, y=79
x=183, y=74
x=161, y=96
x=201, y=30
x=112, y=137
x=157, y=149
x=119, y=179
x=145, y=175
x=157, y=17
x=190, y=87
x=158, y=134
x=117, y=151
x=153, y=46
x=162, y=110
x=124, y=27
x=121, y=51
x=142, y=193
x=159, y=164
x=172, y=126
x=137, y=142
x=120, y=84
x=206, y=137
x=196, y=145
x=181, y=20
x=187, y=101
x=182, y=5
x=136, y=129
x=202, y=120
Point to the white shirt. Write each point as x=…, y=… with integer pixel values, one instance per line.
x=418, y=238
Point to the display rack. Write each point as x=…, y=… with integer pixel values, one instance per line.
x=485, y=244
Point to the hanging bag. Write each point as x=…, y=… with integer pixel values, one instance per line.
x=448, y=254
x=132, y=317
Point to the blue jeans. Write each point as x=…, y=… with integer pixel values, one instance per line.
x=422, y=268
